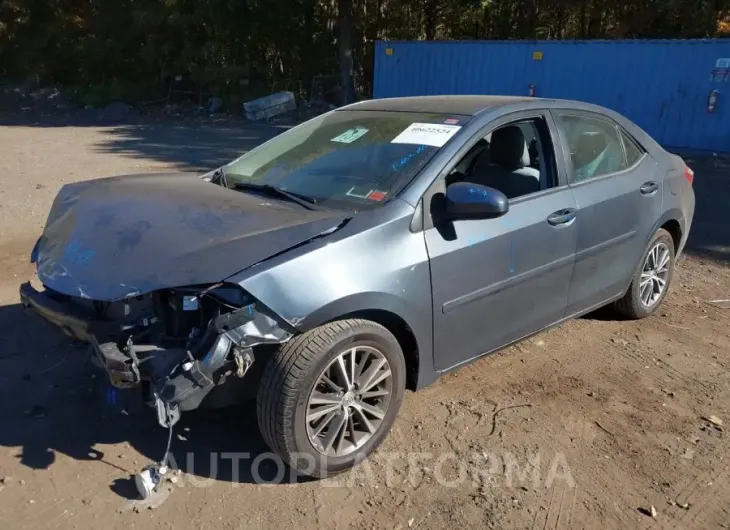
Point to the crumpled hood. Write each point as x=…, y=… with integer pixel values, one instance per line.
x=123, y=236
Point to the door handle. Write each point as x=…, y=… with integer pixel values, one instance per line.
x=561, y=217
x=647, y=188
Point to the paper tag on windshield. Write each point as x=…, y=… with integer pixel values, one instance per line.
x=350, y=135
x=433, y=134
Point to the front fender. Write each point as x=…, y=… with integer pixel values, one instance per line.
x=356, y=303
x=384, y=268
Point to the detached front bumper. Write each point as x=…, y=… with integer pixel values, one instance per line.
x=83, y=326
x=74, y=322
x=177, y=379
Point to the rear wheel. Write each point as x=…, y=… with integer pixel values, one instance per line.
x=651, y=281
x=329, y=397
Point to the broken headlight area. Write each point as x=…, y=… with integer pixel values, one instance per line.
x=177, y=345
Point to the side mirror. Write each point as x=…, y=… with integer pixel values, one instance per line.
x=465, y=200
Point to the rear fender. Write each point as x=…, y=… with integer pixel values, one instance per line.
x=673, y=214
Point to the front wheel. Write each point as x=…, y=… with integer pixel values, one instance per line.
x=651, y=281
x=329, y=397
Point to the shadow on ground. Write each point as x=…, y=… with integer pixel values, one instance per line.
x=189, y=143
x=192, y=147
x=53, y=402
x=710, y=234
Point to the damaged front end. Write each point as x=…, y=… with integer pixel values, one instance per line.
x=177, y=346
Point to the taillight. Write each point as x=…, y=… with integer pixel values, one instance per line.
x=689, y=174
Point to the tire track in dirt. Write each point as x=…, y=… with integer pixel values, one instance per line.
x=560, y=513
x=705, y=495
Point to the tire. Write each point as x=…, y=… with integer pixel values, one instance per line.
x=631, y=305
x=292, y=375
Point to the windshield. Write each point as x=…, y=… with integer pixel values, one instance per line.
x=347, y=159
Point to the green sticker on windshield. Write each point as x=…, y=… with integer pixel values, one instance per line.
x=350, y=135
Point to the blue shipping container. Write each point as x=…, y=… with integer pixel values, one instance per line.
x=662, y=85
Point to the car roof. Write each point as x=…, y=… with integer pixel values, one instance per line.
x=464, y=105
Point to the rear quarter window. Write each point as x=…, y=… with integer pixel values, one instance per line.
x=633, y=150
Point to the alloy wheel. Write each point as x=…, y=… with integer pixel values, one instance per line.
x=349, y=401
x=654, y=274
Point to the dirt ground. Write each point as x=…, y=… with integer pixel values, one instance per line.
x=586, y=426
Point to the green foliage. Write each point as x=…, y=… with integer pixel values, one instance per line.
x=130, y=49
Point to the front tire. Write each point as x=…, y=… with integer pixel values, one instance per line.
x=652, y=278
x=329, y=397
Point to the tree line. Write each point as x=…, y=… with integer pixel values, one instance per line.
x=138, y=49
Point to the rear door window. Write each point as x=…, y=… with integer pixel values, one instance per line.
x=594, y=144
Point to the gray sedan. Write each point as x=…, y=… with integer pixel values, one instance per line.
x=364, y=252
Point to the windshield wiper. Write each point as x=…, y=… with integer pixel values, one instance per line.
x=302, y=200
